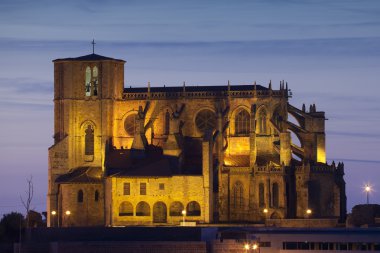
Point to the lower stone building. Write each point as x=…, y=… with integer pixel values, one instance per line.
x=209, y=154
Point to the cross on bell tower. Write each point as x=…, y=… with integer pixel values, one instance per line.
x=93, y=46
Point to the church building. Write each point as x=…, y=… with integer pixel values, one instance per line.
x=127, y=156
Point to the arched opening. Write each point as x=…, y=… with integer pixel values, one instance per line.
x=176, y=209
x=242, y=122
x=89, y=141
x=88, y=81
x=237, y=197
x=159, y=212
x=261, y=195
x=142, y=209
x=80, y=196
x=126, y=209
x=193, y=209
x=95, y=80
x=275, y=195
x=96, y=196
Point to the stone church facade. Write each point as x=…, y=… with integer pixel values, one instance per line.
x=140, y=156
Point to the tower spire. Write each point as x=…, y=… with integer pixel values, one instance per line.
x=93, y=46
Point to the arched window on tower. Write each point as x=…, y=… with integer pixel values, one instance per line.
x=88, y=82
x=275, y=195
x=95, y=80
x=238, y=200
x=167, y=123
x=92, y=81
x=261, y=195
x=80, y=196
x=262, y=122
x=242, y=122
x=89, y=141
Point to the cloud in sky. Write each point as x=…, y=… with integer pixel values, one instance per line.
x=328, y=51
x=188, y=20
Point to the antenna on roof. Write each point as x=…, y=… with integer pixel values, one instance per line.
x=93, y=46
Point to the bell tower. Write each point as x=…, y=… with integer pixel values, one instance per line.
x=86, y=89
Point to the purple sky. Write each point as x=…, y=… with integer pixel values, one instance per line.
x=328, y=51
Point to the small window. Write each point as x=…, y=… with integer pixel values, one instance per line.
x=142, y=188
x=80, y=196
x=127, y=189
x=96, y=196
x=161, y=186
x=89, y=141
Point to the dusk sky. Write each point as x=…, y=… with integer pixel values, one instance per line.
x=327, y=51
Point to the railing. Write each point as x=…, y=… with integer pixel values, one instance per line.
x=197, y=94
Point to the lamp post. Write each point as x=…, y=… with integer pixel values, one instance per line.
x=265, y=211
x=53, y=214
x=67, y=213
x=308, y=214
x=367, y=189
x=183, y=217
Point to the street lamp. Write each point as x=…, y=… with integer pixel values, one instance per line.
x=308, y=214
x=68, y=213
x=246, y=247
x=265, y=211
x=183, y=216
x=255, y=246
x=367, y=189
x=54, y=213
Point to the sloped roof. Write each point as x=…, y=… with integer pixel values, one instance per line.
x=81, y=175
x=217, y=88
x=89, y=57
x=147, y=163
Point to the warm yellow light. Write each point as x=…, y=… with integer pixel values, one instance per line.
x=265, y=210
x=255, y=246
x=183, y=212
x=53, y=212
x=308, y=211
x=246, y=246
x=67, y=212
x=367, y=188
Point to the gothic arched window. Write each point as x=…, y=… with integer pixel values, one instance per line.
x=261, y=195
x=275, y=195
x=89, y=141
x=205, y=120
x=242, y=122
x=130, y=124
x=262, y=122
x=80, y=196
x=238, y=200
x=167, y=123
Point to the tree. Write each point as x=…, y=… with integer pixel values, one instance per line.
x=10, y=226
x=29, y=196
